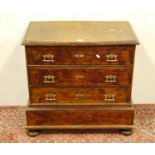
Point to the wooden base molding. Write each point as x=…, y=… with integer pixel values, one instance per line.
x=81, y=127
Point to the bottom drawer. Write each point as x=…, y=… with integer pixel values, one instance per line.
x=63, y=117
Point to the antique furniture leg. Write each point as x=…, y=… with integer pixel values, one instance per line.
x=33, y=133
x=126, y=132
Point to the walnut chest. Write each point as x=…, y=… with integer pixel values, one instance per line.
x=79, y=75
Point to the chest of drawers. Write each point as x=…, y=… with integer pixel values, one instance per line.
x=79, y=75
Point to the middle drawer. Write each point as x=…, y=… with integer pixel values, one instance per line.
x=85, y=76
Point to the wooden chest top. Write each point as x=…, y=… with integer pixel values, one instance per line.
x=79, y=33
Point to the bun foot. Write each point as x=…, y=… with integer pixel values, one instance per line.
x=126, y=132
x=33, y=133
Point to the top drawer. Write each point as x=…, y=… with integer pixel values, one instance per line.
x=107, y=55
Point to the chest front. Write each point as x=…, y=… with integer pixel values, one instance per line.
x=80, y=75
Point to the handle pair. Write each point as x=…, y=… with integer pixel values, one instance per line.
x=107, y=97
x=109, y=57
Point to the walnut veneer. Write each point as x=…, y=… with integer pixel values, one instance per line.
x=80, y=75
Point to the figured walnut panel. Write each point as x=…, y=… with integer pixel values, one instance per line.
x=80, y=55
x=81, y=76
x=80, y=116
x=62, y=96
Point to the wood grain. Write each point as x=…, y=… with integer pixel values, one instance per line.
x=80, y=116
x=80, y=95
x=79, y=76
x=68, y=64
x=92, y=55
x=79, y=33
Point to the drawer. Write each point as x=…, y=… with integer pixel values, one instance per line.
x=107, y=55
x=87, y=116
x=86, y=76
x=65, y=96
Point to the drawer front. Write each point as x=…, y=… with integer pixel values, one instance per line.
x=108, y=95
x=107, y=55
x=80, y=116
x=90, y=76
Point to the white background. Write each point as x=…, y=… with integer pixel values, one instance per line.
x=16, y=14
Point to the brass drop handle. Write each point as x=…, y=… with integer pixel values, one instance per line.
x=111, y=58
x=50, y=97
x=49, y=79
x=79, y=95
x=79, y=55
x=110, y=78
x=109, y=97
x=48, y=58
